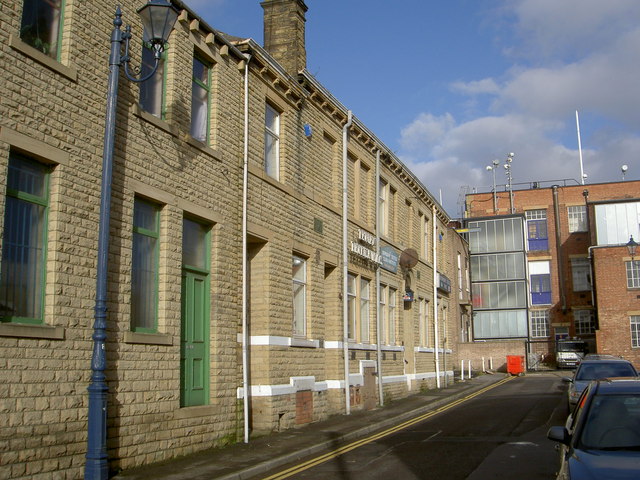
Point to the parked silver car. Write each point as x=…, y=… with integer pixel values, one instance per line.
x=595, y=367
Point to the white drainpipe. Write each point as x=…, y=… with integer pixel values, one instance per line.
x=245, y=187
x=345, y=262
x=378, y=319
x=435, y=294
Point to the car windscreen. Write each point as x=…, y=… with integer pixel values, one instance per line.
x=571, y=347
x=598, y=370
x=612, y=423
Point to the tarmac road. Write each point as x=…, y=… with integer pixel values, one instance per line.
x=499, y=434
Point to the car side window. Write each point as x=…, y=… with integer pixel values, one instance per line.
x=579, y=410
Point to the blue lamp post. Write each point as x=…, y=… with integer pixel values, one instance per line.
x=158, y=18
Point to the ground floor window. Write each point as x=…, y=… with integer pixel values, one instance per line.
x=358, y=311
x=387, y=315
x=539, y=323
x=584, y=322
x=635, y=331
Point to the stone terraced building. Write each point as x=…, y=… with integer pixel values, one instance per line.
x=238, y=303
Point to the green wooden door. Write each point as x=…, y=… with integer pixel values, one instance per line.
x=194, y=344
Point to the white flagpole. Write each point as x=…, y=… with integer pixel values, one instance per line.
x=579, y=148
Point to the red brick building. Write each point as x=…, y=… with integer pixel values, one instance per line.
x=580, y=279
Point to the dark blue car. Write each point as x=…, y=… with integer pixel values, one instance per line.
x=601, y=439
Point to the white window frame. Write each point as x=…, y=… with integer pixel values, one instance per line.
x=383, y=208
x=423, y=321
x=351, y=306
x=633, y=273
x=577, y=217
x=365, y=311
x=299, y=284
x=539, y=323
x=272, y=142
x=426, y=233
x=634, y=323
x=392, y=302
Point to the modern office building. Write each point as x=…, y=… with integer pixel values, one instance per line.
x=552, y=239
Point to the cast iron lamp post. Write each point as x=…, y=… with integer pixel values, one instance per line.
x=158, y=18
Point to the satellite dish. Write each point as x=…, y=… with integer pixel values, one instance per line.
x=409, y=258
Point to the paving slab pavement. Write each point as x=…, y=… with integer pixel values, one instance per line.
x=242, y=461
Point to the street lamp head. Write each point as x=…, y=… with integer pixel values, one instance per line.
x=496, y=162
x=631, y=246
x=158, y=18
x=489, y=168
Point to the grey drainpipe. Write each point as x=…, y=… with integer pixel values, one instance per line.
x=556, y=211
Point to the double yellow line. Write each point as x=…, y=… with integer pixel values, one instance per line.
x=352, y=446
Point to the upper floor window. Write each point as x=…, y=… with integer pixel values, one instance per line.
x=41, y=25
x=22, y=276
x=496, y=235
x=152, y=90
x=537, y=235
x=460, y=286
x=424, y=233
x=383, y=208
x=577, y=218
x=633, y=274
x=581, y=274
x=540, y=281
x=144, y=266
x=272, y=142
x=299, y=278
x=200, y=100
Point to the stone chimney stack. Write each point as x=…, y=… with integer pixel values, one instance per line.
x=284, y=33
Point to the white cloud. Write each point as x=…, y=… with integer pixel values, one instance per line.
x=572, y=54
x=476, y=87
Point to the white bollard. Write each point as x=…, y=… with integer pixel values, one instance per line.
x=469, y=370
x=483, y=365
x=462, y=370
x=490, y=363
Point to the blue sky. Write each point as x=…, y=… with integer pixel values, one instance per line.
x=450, y=85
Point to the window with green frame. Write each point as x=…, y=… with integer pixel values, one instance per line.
x=22, y=275
x=41, y=25
x=144, y=267
x=152, y=91
x=200, y=100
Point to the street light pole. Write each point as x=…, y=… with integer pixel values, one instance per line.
x=493, y=167
x=96, y=466
x=507, y=167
